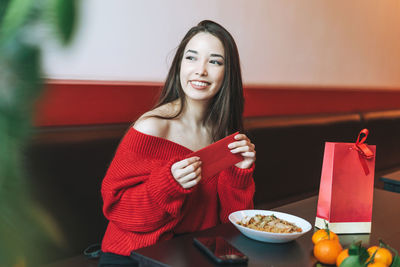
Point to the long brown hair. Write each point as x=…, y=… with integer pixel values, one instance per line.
x=224, y=114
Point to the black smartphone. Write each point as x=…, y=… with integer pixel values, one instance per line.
x=220, y=250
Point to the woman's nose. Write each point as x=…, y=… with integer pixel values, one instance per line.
x=202, y=69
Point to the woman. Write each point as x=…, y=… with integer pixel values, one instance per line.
x=152, y=191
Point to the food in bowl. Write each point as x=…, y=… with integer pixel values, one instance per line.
x=269, y=223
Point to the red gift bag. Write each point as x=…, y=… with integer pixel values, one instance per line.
x=346, y=188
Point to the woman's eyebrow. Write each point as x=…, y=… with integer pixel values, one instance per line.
x=211, y=55
x=191, y=51
x=217, y=55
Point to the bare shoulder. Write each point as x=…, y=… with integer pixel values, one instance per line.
x=150, y=124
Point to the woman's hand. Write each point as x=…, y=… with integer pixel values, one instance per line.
x=187, y=172
x=243, y=146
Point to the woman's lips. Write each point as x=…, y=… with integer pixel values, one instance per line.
x=199, y=85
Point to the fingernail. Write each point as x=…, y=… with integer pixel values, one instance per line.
x=230, y=145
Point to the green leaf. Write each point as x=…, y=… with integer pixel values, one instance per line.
x=318, y=264
x=372, y=259
x=328, y=232
x=356, y=249
x=15, y=16
x=25, y=230
x=65, y=11
x=396, y=261
x=20, y=83
x=3, y=8
x=351, y=261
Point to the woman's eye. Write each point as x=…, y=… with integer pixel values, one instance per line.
x=219, y=63
x=190, y=57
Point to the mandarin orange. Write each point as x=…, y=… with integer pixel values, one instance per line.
x=342, y=255
x=326, y=251
x=322, y=234
x=377, y=264
x=382, y=255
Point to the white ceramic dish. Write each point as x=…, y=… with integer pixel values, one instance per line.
x=267, y=236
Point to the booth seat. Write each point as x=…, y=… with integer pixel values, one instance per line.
x=67, y=164
x=290, y=152
x=384, y=129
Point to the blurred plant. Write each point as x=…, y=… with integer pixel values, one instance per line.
x=23, y=26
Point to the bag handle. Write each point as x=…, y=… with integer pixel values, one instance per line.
x=361, y=147
x=363, y=150
x=365, y=132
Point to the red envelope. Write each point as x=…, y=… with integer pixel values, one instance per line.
x=217, y=156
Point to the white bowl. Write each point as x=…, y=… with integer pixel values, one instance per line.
x=263, y=236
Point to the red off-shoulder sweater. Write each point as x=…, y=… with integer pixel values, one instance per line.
x=144, y=203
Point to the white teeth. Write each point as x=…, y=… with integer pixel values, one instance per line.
x=199, y=83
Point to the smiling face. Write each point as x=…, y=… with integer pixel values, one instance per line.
x=202, y=67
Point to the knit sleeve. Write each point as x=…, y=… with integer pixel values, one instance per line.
x=139, y=192
x=235, y=190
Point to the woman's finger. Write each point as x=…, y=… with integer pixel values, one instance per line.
x=188, y=169
x=238, y=144
x=250, y=154
x=190, y=176
x=183, y=163
x=246, y=148
x=241, y=137
x=241, y=149
x=191, y=183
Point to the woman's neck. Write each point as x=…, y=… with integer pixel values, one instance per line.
x=188, y=128
x=193, y=113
